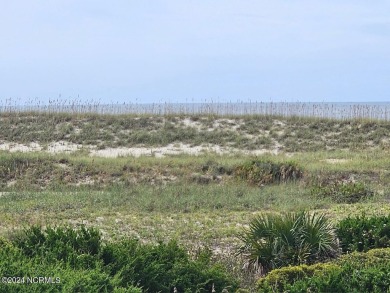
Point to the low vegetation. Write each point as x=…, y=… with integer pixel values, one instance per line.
x=362, y=233
x=78, y=260
x=356, y=272
x=343, y=192
x=182, y=216
x=244, y=132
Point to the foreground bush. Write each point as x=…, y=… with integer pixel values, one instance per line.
x=79, y=261
x=281, y=280
x=356, y=272
x=163, y=267
x=362, y=233
x=78, y=249
x=266, y=172
x=59, y=277
x=274, y=241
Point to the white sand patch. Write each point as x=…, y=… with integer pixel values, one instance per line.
x=335, y=161
x=85, y=181
x=158, y=152
x=190, y=123
x=225, y=124
x=77, y=130
x=63, y=166
x=54, y=147
x=171, y=149
x=63, y=147
x=279, y=123
x=17, y=147
x=279, y=132
x=218, y=124
x=11, y=183
x=121, y=152
x=176, y=149
x=260, y=152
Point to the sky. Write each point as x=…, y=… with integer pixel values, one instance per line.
x=194, y=51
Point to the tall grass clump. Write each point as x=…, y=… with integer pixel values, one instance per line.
x=275, y=241
x=261, y=172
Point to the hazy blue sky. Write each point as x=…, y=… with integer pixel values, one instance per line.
x=172, y=51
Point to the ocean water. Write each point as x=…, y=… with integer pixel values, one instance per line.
x=368, y=110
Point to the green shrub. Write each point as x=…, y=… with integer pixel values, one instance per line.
x=266, y=172
x=76, y=248
x=342, y=192
x=274, y=241
x=362, y=233
x=280, y=279
x=356, y=272
x=165, y=266
x=85, y=264
x=14, y=263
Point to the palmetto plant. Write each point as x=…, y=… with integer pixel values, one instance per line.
x=274, y=241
